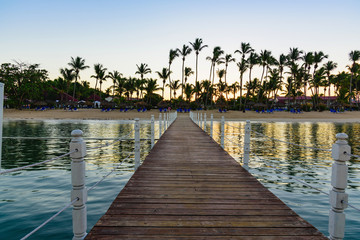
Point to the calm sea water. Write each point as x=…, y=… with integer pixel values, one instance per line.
x=29, y=197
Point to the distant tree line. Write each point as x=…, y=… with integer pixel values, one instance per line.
x=295, y=74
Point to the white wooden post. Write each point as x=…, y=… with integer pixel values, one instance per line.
x=79, y=191
x=247, y=143
x=167, y=120
x=205, y=122
x=211, y=124
x=339, y=177
x=137, y=143
x=160, y=128
x=152, y=131
x=1, y=117
x=198, y=118
x=201, y=121
x=164, y=121
x=222, y=131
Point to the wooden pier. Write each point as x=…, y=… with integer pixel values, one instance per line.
x=189, y=188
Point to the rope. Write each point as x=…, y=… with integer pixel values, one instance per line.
x=308, y=185
x=36, y=164
x=352, y=155
x=237, y=144
x=313, y=148
x=108, y=174
x=47, y=221
x=240, y=128
x=109, y=144
x=292, y=177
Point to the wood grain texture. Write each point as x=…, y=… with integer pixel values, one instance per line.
x=189, y=188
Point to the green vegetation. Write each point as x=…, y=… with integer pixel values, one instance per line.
x=304, y=78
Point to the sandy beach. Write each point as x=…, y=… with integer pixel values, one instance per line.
x=96, y=114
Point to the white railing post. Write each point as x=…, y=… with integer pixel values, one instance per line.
x=160, y=127
x=79, y=218
x=137, y=143
x=152, y=131
x=164, y=122
x=338, y=198
x=201, y=121
x=211, y=124
x=1, y=117
x=222, y=132
x=167, y=120
x=247, y=143
x=205, y=122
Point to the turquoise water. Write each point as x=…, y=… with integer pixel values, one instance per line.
x=29, y=197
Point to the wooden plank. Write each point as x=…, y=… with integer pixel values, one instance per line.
x=190, y=188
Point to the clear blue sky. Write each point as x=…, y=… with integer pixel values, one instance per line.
x=120, y=34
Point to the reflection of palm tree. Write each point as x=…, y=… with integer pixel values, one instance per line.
x=164, y=74
x=77, y=65
x=197, y=47
x=186, y=50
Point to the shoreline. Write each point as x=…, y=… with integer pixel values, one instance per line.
x=96, y=114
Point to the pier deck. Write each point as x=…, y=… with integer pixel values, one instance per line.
x=189, y=188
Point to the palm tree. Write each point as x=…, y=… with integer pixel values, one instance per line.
x=227, y=59
x=234, y=87
x=114, y=76
x=164, y=74
x=188, y=90
x=120, y=85
x=243, y=66
x=252, y=61
x=354, y=56
x=188, y=71
x=264, y=61
x=142, y=70
x=68, y=75
x=294, y=55
x=245, y=48
x=175, y=85
x=197, y=47
x=172, y=55
x=186, y=50
x=77, y=65
x=150, y=87
x=308, y=59
x=329, y=66
x=217, y=52
x=99, y=76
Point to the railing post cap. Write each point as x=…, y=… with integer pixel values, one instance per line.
x=136, y=119
x=77, y=133
x=342, y=136
x=247, y=121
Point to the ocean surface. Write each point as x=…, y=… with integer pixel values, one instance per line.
x=29, y=197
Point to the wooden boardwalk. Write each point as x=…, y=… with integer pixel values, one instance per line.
x=190, y=188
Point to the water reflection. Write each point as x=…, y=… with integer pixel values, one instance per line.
x=309, y=165
x=51, y=181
